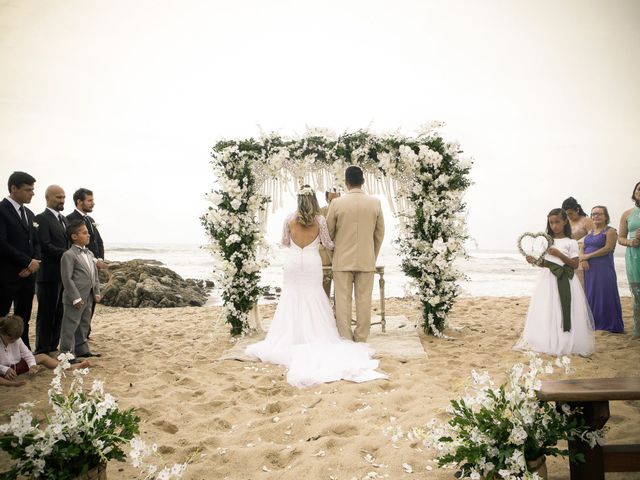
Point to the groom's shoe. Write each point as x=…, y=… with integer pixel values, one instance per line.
x=90, y=354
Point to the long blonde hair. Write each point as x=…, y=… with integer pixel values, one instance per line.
x=308, y=207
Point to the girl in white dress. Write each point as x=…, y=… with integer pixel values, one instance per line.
x=558, y=326
x=303, y=335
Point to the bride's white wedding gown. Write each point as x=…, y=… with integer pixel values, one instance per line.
x=303, y=335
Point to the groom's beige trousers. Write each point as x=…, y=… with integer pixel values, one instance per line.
x=345, y=283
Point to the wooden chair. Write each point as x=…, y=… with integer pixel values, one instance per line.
x=593, y=396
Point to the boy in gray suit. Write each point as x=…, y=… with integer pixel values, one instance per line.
x=81, y=288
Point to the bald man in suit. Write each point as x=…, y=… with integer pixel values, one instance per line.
x=356, y=226
x=52, y=235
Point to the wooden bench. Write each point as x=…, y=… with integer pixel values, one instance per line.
x=593, y=396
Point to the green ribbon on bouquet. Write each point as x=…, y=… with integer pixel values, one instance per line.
x=563, y=274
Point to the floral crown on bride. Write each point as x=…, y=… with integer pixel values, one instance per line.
x=306, y=190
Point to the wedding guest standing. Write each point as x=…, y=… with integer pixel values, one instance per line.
x=356, y=226
x=83, y=200
x=325, y=254
x=559, y=321
x=19, y=250
x=52, y=236
x=630, y=238
x=601, y=282
x=580, y=223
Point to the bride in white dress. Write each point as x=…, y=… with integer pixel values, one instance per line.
x=303, y=335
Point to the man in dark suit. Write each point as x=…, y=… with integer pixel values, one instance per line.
x=19, y=250
x=83, y=200
x=53, y=241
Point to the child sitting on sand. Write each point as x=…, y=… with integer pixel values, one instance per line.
x=16, y=358
x=559, y=320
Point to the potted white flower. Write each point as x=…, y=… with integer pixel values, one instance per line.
x=505, y=432
x=83, y=432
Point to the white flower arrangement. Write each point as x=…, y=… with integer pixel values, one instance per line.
x=431, y=175
x=86, y=429
x=497, y=432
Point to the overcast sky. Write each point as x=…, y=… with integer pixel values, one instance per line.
x=127, y=97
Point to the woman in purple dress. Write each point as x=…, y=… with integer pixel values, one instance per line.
x=601, y=282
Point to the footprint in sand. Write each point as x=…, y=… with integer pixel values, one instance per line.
x=219, y=424
x=275, y=407
x=332, y=444
x=166, y=426
x=236, y=388
x=165, y=449
x=616, y=420
x=220, y=403
x=385, y=387
x=344, y=430
x=274, y=459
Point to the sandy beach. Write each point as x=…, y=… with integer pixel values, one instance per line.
x=241, y=420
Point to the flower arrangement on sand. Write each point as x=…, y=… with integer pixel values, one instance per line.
x=85, y=430
x=504, y=432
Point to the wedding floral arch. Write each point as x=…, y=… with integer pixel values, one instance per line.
x=422, y=177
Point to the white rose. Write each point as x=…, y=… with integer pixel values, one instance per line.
x=214, y=198
x=236, y=203
x=233, y=238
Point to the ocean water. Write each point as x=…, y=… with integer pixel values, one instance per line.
x=489, y=273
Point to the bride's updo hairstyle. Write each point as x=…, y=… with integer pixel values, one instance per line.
x=308, y=207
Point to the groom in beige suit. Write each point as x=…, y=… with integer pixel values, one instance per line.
x=356, y=226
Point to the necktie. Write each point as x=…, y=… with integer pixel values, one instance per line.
x=23, y=216
x=62, y=222
x=87, y=222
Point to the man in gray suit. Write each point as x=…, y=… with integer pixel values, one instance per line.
x=81, y=288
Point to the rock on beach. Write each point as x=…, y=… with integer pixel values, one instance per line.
x=146, y=283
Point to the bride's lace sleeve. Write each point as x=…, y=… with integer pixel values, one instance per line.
x=286, y=231
x=325, y=239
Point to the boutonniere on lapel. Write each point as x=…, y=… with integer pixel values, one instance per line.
x=94, y=224
x=35, y=225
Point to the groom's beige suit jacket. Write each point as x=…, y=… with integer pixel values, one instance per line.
x=356, y=226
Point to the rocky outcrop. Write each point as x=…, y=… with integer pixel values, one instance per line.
x=144, y=283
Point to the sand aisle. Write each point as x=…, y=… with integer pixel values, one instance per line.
x=239, y=420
